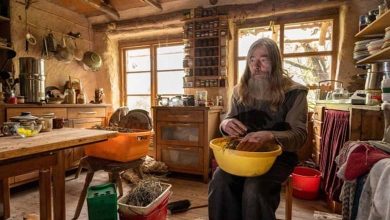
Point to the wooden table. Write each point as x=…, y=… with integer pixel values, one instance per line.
x=44, y=152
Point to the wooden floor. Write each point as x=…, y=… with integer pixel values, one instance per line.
x=26, y=199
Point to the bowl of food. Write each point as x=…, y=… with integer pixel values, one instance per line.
x=28, y=129
x=243, y=163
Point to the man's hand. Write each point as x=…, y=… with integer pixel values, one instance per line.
x=233, y=127
x=255, y=140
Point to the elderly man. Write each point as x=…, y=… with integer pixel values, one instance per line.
x=267, y=107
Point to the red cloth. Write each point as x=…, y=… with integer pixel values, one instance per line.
x=361, y=159
x=334, y=135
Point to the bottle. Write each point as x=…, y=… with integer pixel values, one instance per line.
x=12, y=99
x=385, y=87
x=70, y=93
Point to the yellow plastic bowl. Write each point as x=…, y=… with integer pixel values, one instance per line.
x=243, y=163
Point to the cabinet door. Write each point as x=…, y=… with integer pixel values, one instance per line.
x=186, y=134
x=181, y=158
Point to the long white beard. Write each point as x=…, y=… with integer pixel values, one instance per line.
x=259, y=89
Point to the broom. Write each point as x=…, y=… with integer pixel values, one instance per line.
x=182, y=206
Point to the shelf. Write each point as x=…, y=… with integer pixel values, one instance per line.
x=210, y=77
x=5, y=48
x=206, y=47
x=198, y=67
x=376, y=27
x=2, y=18
x=217, y=17
x=200, y=57
x=383, y=55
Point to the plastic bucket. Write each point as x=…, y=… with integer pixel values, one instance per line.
x=306, y=182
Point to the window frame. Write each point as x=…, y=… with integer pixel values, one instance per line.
x=152, y=45
x=282, y=21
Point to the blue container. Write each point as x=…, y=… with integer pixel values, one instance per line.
x=102, y=202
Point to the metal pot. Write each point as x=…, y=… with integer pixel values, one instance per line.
x=375, y=75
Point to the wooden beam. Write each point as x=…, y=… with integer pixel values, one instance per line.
x=253, y=10
x=106, y=8
x=153, y=3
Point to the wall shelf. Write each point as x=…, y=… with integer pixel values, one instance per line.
x=376, y=27
x=2, y=18
x=383, y=55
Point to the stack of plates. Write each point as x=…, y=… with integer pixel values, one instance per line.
x=386, y=39
x=362, y=51
x=375, y=46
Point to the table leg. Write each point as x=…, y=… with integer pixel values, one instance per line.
x=45, y=194
x=59, y=187
x=4, y=199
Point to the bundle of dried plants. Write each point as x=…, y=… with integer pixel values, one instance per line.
x=145, y=192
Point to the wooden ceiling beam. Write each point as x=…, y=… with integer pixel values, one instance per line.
x=153, y=3
x=106, y=8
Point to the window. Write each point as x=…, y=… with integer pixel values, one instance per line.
x=143, y=82
x=306, y=50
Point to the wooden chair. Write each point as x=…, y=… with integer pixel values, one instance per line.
x=114, y=169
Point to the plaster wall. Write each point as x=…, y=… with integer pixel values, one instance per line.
x=349, y=26
x=43, y=16
x=345, y=69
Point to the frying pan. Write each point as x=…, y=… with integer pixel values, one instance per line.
x=10, y=54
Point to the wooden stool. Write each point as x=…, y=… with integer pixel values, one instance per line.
x=288, y=198
x=114, y=169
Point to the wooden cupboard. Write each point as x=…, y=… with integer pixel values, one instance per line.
x=76, y=116
x=182, y=136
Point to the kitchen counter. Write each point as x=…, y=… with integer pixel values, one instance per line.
x=347, y=107
x=52, y=105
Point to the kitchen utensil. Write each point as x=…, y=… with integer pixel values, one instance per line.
x=63, y=53
x=32, y=79
x=375, y=75
x=92, y=61
x=51, y=43
x=31, y=39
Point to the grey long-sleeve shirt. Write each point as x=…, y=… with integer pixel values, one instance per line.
x=288, y=124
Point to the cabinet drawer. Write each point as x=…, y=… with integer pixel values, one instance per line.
x=85, y=122
x=186, y=134
x=180, y=116
x=58, y=112
x=318, y=113
x=86, y=112
x=180, y=158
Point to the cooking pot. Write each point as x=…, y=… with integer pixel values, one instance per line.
x=92, y=61
x=375, y=75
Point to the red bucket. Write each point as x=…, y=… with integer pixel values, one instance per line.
x=306, y=183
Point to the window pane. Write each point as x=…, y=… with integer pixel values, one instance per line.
x=241, y=68
x=138, y=83
x=308, y=70
x=308, y=36
x=139, y=102
x=249, y=35
x=170, y=82
x=138, y=60
x=170, y=57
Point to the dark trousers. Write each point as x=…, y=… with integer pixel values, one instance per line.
x=249, y=198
